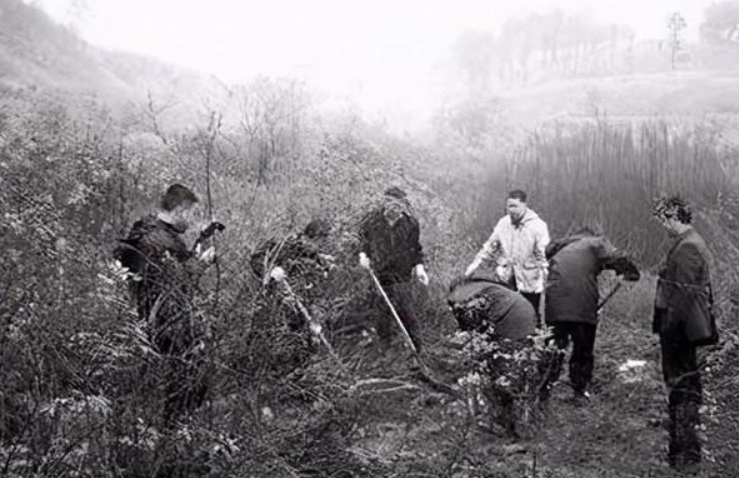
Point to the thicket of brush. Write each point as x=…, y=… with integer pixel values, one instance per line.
x=81, y=387
x=83, y=390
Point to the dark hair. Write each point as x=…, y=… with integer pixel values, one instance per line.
x=395, y=192
x=674, y=207
x=176, y=195
x=517, y=194
x=317, y=228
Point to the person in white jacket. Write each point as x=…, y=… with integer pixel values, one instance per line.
x=517, y=248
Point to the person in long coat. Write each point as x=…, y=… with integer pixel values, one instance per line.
x=684, y=320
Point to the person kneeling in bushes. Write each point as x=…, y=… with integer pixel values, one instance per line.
x=516, y=368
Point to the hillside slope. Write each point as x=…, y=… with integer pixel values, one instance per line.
x=35, y=52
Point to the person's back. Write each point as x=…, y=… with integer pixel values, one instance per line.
x=482, y=304
x=164, y=284
x=574, y=264
x=572, y=286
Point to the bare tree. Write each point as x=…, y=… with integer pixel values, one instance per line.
x=676, y=24
x=153, y=111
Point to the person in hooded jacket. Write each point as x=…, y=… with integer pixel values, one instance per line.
x=517, y=248
x=575, y=261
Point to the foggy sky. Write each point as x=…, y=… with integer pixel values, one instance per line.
x=380, y=54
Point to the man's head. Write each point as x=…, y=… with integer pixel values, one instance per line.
x=317, y=228
x=516, y=204
x=674, y=213
x=177, y=205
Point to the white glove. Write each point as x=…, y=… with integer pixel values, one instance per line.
x=364, y=260
x=208, y=255
x=327, y=257
x=278, y=274
x=472, y=268
x=420, y=271
x=316, y=328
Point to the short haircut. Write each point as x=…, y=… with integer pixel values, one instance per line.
x=177, y=195
x=317, y=228
x=517, y=194
x=674, y=207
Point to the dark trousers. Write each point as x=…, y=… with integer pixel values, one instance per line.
x=401, y=296
x=682, y=377
x=535, y=300
x=582, y=359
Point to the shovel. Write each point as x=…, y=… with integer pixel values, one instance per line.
x=424, y=370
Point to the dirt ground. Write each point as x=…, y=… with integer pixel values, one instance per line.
x=412, y=430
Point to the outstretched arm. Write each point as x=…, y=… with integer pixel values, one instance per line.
x=616, y=260
x=490, y=249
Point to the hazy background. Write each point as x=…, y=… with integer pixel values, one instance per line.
x=387, y=59
x=280, y=112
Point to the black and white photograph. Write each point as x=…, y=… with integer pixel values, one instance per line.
x=359, y=239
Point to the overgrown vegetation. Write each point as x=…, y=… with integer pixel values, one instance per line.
x=82, y=389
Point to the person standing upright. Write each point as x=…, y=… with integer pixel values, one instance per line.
x=517, y=246
x=389, y=236
x=684, y=320
x=164, y=277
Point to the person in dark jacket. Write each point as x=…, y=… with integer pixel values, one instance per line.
x=516, y=373
x=293, y=271
x=683, y=318
x=164, y=274
x=389, y=238
x=572, y=296
x=304, y=255
x=304, y=259
x=483, y=304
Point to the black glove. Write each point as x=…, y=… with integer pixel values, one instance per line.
x=206, y=233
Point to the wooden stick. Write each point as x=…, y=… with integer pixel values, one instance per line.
x=317, y=331
x=407, y=336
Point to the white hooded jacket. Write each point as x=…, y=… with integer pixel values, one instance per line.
x=519, y=250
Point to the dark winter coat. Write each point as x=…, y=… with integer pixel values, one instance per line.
x=297, y=254
x=572, y=285
x=684, y=300
x=390, y=236
x=166, y=272
x=481, y=304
